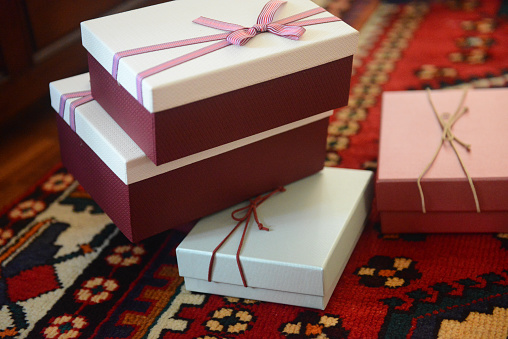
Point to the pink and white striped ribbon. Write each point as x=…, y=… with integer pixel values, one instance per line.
x=84, y=97
x=236, y=34
x=67, y=96
x=241, y=35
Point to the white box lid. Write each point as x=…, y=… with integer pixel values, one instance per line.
x=264, y=58
x=117, y=150
x=314, y=227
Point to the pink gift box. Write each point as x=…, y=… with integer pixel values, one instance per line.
x=410, y=136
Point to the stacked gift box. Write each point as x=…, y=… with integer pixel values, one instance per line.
x=188, y=110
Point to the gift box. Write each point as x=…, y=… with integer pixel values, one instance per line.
x=313, y=228
x=170, y=77
x=453, y=140
x=144, y=199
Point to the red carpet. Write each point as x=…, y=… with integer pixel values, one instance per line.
x=67, y=272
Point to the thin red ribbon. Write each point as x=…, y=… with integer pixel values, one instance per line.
x=236, y=34
x=251, y=210
x=84, y=97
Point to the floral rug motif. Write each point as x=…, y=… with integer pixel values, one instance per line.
x=67, y=272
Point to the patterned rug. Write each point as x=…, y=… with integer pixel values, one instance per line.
x=67, y=272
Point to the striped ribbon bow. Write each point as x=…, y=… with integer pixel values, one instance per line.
x=251, y=211
x=84, y=97
x=241, y=35
x=235, y=35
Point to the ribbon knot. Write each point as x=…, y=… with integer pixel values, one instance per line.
x=259, y=28
x=251, y=210
x=447, y=131
x=446, y=122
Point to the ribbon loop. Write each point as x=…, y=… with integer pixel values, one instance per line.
x=251, y=209
x=268, y=11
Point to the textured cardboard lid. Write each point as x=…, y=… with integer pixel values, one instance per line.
x=314, y=227
x=108, y=140
x=410, y=134
x=264, y=58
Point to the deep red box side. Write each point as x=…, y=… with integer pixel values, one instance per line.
x=168, y=200
x=442, y=195
x=407, y=144
x=174, y=133
x=444, y=222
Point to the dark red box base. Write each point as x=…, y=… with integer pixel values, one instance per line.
x=444, y=222
x=168, y=200
x=201, y=125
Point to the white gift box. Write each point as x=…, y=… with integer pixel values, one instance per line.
x=313, y=228
x=266, y=56
x=241, y=90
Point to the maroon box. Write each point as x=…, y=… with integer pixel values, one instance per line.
x=224, y=95
x=143, y=199
x=178, y=132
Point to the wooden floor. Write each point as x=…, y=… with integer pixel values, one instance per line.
x=28, y=150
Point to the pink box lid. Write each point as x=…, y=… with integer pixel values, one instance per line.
x=411, y=134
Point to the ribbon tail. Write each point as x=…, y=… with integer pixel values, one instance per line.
x=260, y=225
x=212, y=259
x=469, y=179
x=238, y=262
x=290, y=32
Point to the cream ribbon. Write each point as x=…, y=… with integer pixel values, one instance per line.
x=447, y=123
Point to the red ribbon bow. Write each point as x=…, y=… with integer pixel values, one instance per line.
x=251, y=211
